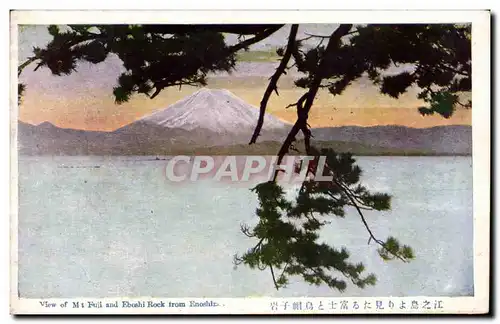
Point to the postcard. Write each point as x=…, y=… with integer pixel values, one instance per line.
x=250, y=162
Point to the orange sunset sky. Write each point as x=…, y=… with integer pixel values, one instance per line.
x=84, y=100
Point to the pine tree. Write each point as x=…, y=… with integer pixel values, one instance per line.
x=159, y=56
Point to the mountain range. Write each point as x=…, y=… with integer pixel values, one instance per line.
x=217, y=122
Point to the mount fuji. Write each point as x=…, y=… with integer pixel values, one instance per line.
x=208, y=118
x=214, y=110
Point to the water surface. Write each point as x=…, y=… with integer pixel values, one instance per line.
x=114, y=226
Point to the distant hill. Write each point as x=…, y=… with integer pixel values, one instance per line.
x=217, y=122
x=271, y=148
x=455, y=139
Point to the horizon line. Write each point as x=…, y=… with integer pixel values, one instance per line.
x=291, y=124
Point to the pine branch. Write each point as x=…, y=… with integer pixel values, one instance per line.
x=25, y=64
x=467, y=105
x=257, y=38
x=274, y=278
x=273, y=83
x=284, y=269
x=363, y=219
x=449, y=68
x=159, y=87
x=333, y=42
x=327, y=36
x=238, y=29
x=364, y=207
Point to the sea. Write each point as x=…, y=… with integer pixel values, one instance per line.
x=116, y=226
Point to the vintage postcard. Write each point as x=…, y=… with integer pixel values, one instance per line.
x=250, y=162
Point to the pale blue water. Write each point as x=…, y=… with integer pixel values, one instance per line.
x=123, y=230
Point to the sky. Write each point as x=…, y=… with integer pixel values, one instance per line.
x=84, y=100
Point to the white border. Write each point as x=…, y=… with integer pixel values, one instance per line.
x=481, y=149
x=244, y=16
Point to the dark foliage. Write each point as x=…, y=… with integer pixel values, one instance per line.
x=20, y=91
x=288, y=230
x=437, y=57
